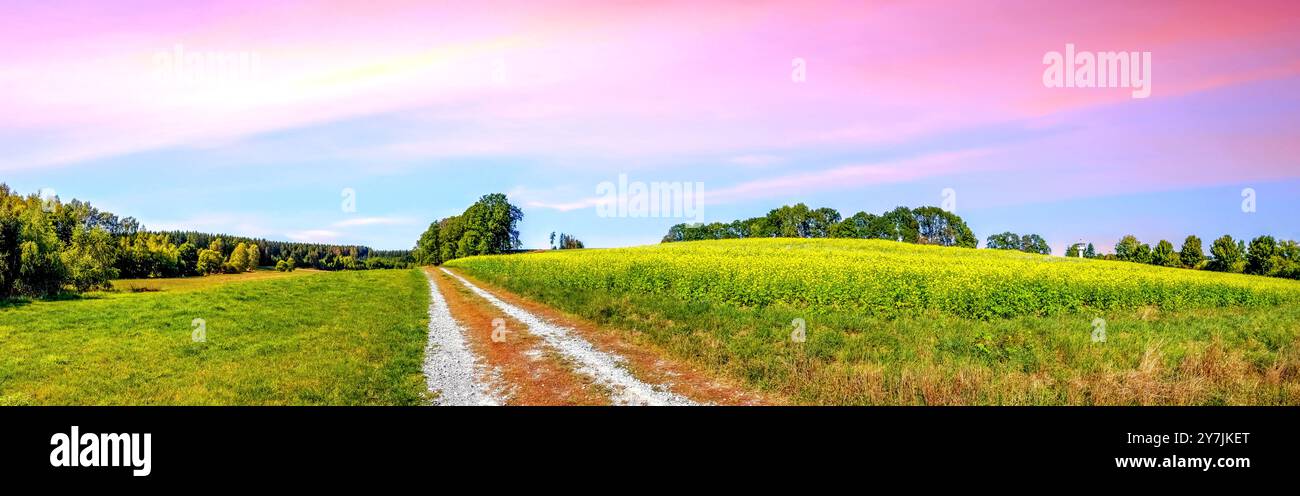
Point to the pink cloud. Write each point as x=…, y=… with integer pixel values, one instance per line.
x=851, y=176
x=808, y=183
x=616, y=79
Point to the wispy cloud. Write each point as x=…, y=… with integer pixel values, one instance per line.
x=849, y=176
x=372, y=221
x=237, y=225
x=569, y=206
x=523, y=81
x=810, y=183
x=315, y=236
x=564, y=198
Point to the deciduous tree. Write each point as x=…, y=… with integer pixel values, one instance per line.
x=1164, y=255
x=1192, y=253
x=1227, y=254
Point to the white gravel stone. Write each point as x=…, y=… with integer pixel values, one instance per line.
x=604, y=368
x=450, y=368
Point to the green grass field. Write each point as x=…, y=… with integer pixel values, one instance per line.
x=886, y=324
x=898, y=324
x=301, y=338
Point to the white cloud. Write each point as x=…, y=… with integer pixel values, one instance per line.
x=845, y=176
x=568, y=206
x=558, y=198
x=315, y=236
x=233, y=224
x=848, y=176
x=372, y=221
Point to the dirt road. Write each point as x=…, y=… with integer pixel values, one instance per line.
x=489, y=347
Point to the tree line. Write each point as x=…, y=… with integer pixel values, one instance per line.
x=1028, y=243
x=1264, y=255
x=296, y=254
x=488, y=227
x=566, y=241
x=48, y=246
x=923, y=225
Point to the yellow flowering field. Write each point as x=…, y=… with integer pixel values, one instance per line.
x=866, y=322
x=883, y=277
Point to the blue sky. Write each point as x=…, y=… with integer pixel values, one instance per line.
x=209, y=190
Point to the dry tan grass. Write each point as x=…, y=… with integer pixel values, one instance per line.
x=1208, y=375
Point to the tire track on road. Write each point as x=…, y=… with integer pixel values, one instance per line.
x=529, y=372
x=449, y=367
x=605, y=368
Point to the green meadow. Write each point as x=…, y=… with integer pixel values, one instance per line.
x=268, y=338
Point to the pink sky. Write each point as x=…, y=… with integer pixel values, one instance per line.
x=80, y=75
x=896, y=92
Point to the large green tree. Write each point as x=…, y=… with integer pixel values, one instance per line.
x=1164, y=255
x=1004, y=241
x=238, y=261
x=1129, y=249
x=89, y=259
x=254, y=256
x=488, y=227
x=898, y=224
x=1228, y=256
x=40, y=267
x=857, y=226
x=792, y=221
x=1033, y=243
x=428, y=249
x=1192, y=253
x=936, y=226
x=495, y=220
x=1262, y=256
x=211, y=260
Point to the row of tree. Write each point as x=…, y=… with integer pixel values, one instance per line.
x=566, y=241
x=304, y=255
x=1079, y=250
x=487, y=227
x=48, y=246
x=1028, y=243
x=1264, y=255
x=924, y=225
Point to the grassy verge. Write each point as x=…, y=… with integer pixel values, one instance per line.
x=341, y=338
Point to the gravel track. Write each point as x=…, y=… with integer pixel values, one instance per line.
x=449, y=366
x=605, y=368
